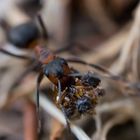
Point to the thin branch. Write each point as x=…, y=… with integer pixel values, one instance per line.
x=118, y=119
x=30, y=121
x=126, y=50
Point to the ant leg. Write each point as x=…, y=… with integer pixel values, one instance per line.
x=98, y=67
x=62, y=108
x=42, y=25
x=39, y=79
x=67, y=120
x=15, y=55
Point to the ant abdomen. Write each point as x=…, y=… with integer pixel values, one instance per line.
x=24, y=34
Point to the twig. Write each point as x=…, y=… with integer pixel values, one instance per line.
x=126, y=50
x=115, y=120
x=111, y=46
x=99, y=14
x=115, y=105
x=56, y=15
x=123, y=110
x=98, y=123
x=30, y=121
x=135, y=55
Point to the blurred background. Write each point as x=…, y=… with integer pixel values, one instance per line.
x=105, y=32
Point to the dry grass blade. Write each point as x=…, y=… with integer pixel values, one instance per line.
x=126, y=50
x=135, y=55
x=115, y=105
x=98, y=123
x=30, y=121
x=118, y=119
x=111, y=46
x=56, y=113
x=122, y=109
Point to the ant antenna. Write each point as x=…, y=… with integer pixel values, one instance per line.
x=42, y=25
x=39, y=79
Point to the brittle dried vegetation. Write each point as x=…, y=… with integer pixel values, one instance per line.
x=108, y=32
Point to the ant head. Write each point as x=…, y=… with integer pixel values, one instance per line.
x=23, y=35
x=56, y=68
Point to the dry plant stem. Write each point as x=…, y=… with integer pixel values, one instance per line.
x=56, y=130
x=11, y=13
x=15, y=17
x=2, y=36
x=123, y=110
x=98, y=13
x=5, y=5
x=7, y=128
x=57, y=20
x=126, y=50
x=135, y=55
x=111, y=46
x=30, y=121
x=11, y=71
x=98, y=123
x=27, y=87
x=118, y=119
x=115, y=105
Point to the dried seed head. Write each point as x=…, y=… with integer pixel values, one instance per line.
x=80, y=100
x=90, y=79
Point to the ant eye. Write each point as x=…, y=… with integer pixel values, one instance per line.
x=22, y=35
x=84, y=104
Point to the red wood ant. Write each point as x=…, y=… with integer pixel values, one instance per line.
x=77, y=93
x=23, y=35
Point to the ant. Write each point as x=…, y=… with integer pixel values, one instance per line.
x=76, y=94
